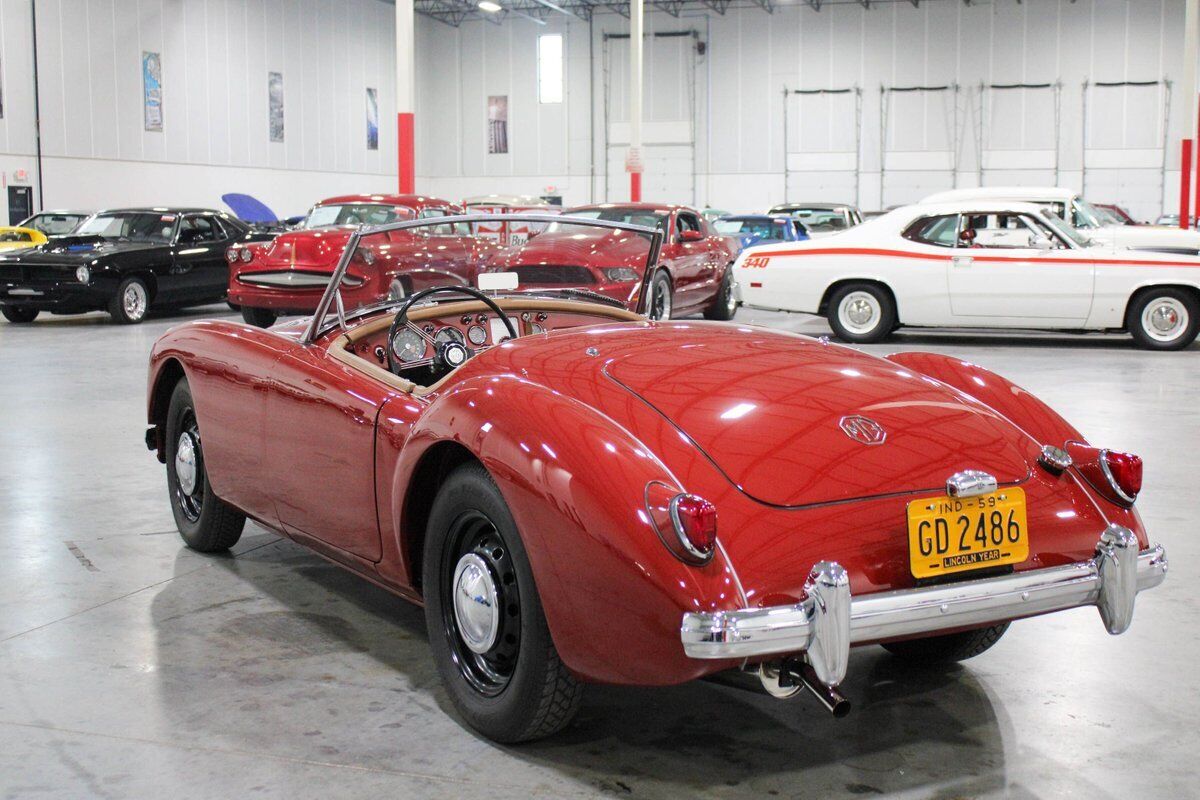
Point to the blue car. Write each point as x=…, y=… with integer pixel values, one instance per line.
x=756, y=229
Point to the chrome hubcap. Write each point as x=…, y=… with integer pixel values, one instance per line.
x=662, y=300
x=134, y=301
x=1165, y=319
x=859, y=312
x=185, y=464
x=476, y=603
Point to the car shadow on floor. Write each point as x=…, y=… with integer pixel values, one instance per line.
x=932, y=730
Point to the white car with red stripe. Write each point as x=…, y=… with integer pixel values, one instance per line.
x=975, y=263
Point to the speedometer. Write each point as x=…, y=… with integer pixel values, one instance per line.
x=449, y=335
x=408, y=346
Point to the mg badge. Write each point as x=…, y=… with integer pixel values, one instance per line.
x=863, y=430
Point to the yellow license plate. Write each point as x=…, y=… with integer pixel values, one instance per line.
x=953, y=534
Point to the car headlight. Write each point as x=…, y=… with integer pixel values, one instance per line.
x=246, y=255
x=83, y=274
x=620, y=274
x=368, y=256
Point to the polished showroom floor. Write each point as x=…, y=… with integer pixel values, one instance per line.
x=132, y=667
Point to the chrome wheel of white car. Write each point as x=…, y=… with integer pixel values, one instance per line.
x=861, y=312
x=1164, y=319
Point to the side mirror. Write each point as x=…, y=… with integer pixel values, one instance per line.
x=691, y=236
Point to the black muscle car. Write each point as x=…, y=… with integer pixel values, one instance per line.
x=124, y=261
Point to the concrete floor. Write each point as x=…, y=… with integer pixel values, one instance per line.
x=132, y=667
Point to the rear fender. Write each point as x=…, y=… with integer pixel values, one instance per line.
x=574, y=480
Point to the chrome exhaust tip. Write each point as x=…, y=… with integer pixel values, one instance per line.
x=786, y=678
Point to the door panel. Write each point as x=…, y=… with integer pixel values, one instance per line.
x=199, y=267
x=321, y=438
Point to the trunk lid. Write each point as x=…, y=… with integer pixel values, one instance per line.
x=778, y=415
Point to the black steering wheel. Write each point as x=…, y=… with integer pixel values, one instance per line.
x=448, y=354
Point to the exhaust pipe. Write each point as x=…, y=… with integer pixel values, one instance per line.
x=786, y=678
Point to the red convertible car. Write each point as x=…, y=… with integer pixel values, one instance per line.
x=694, y=273
x=288, y=274
x=578, y=494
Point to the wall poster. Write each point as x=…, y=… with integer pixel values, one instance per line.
x=275, y=101
x=152, y=112
x=497, y=110
x=372, y=119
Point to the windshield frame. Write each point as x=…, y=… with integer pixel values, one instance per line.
x=315, y=328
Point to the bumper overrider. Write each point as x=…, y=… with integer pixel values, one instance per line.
x=829, y=620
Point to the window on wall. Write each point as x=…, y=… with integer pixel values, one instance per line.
x=550, y=68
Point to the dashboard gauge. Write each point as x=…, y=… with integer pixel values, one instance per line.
x=408, y=346
x=477, y=334
x=499, y=332
x=536, y=328
x=449, y=335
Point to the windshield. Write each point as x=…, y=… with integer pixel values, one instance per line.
x=1085, y=215
x=760, y=228
x=630, y=216
x=597, y=261
x=819, y=219
x=135, y=226
x=356, y=214
x=54, y=224
x=1052, y=221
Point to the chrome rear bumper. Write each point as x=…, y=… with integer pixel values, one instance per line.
x=828, y=621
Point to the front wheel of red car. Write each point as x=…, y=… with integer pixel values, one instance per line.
x=205, y=522
x=725, y=304
x=486, y=626
x=259, y=317
x=948, y=648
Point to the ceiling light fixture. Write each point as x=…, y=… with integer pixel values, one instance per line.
x=489, y=6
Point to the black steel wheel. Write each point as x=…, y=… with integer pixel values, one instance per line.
x=486, y=626
x=259, y=317
x=205, y=522
x=19, y=314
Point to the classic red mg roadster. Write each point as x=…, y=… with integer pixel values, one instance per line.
x=579, y=494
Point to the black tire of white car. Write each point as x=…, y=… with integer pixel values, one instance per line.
x=724, y=305
x=505, y=695
x=19, y=315
x=131, y=301
x=259, y=317
x=1163, y=319
x=949, y=648
x=861, y=313
x=205, y=522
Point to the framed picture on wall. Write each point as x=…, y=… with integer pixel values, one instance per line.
x=275, y=105
x=372, y=119
x=152, y=111
x=497, y=116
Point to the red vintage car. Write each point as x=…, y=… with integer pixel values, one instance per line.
x=288, y=274
x=579, y=494
x=694, y=272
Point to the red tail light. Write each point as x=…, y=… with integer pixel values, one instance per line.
x=231, y=255
x=686, y=523
x=1117, y=476
x=1124, y=473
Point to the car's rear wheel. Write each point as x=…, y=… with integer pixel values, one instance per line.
x=259, y=317
x=19, y=314
x=948, y=648
x=205, y=521
x=486, y=626
x=1164, y=319
x=724, y=305
x=131, y=301
x=861, y=313
x=660, y=298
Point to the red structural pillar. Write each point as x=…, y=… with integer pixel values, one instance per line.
x=1196, y=154
x=1185, y=187
x=406, y=157
x=405, y=97
x=635, y=187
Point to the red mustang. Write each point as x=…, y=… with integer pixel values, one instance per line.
x=578, y=494
x=288, y=274
x=694, y=272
